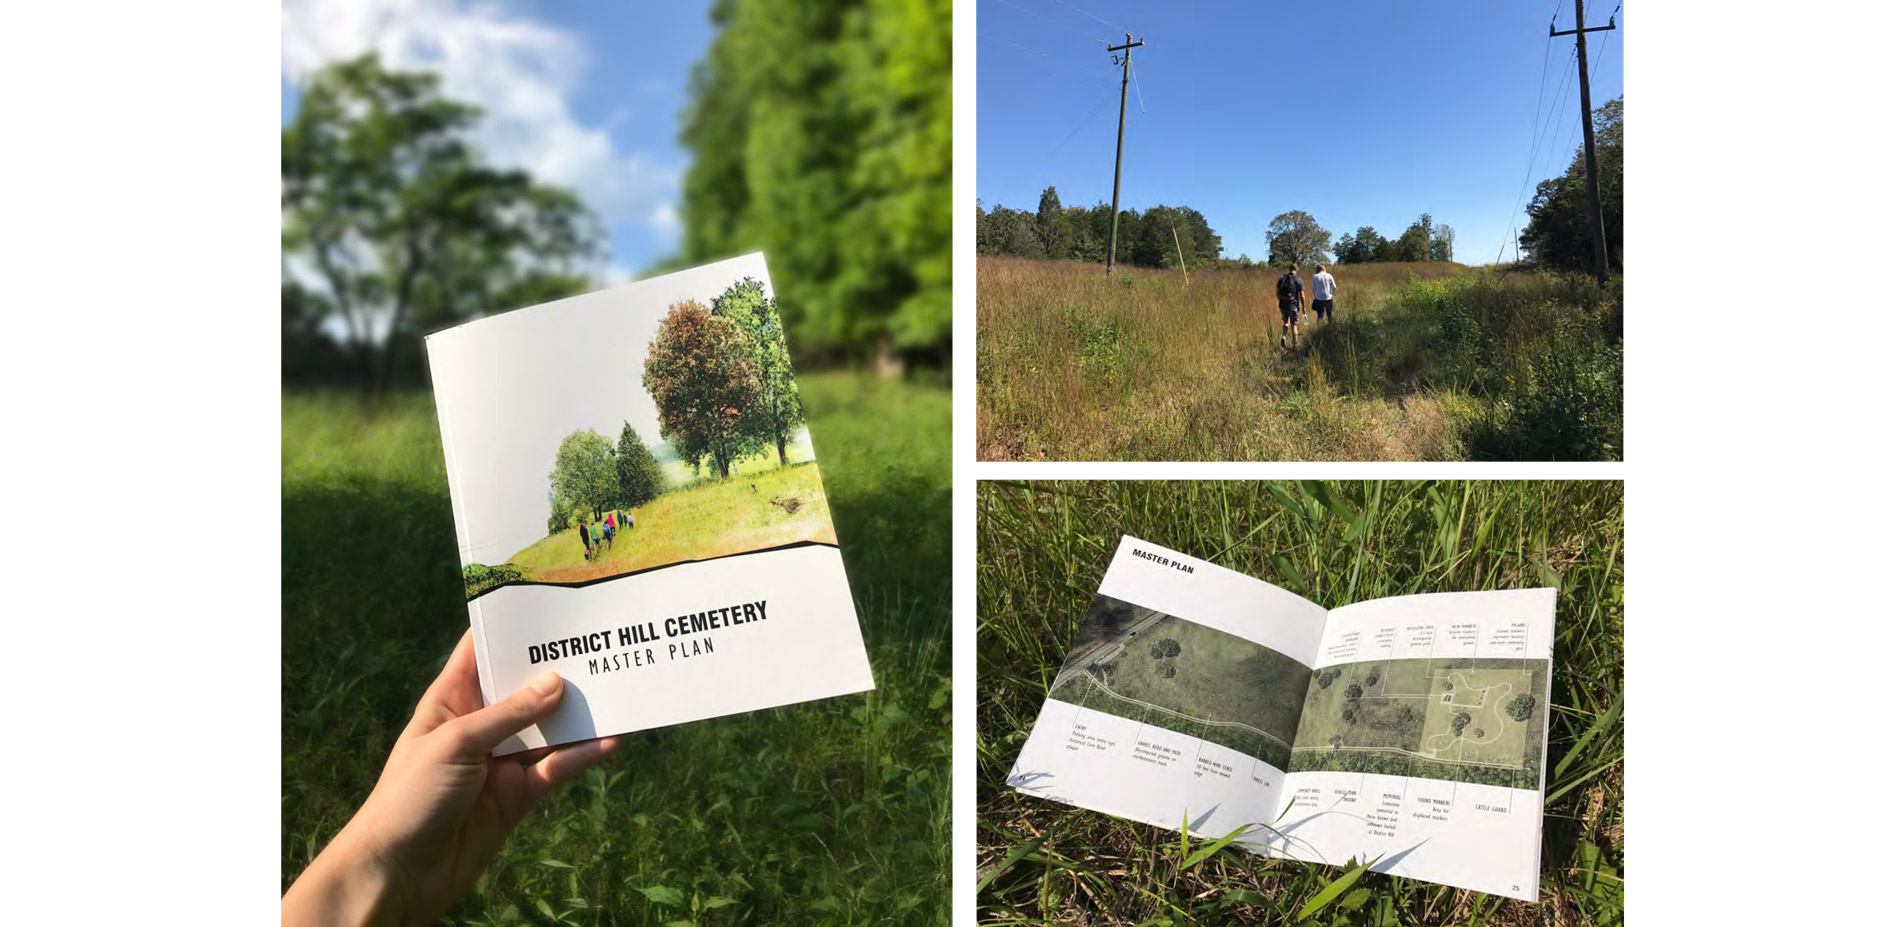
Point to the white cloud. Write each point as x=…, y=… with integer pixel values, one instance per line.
x=519, y=71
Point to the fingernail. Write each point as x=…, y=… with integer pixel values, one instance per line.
x=546, y=684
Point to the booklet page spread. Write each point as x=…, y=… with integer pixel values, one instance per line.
x=638, y=506
x=1408, y=729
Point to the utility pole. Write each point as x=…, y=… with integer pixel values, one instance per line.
x=1589, y=139
x=1115, y=216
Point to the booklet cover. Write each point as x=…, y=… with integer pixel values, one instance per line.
x=1410, y=730
x=638, y=506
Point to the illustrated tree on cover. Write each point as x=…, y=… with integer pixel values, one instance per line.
x=583, y=477
x=703, y=379
x=778, y=412
x=636, y=470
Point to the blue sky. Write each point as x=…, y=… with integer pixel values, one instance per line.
x=1361, y=113
x=585, y=94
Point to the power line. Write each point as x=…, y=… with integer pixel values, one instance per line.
x=1046, y=159
x=1071, y=70
x=1537, y=118
x=1086, y=13
x=1059, y=25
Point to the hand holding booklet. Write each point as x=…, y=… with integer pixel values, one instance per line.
x=1408, y=730
x=638, y=506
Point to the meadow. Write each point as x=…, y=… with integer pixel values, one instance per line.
x=1431, y=361
x=703, y=520
x=1042, y=549
x=830, y=812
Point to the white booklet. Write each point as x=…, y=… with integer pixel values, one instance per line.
x=1410, y=730
x=638, y=506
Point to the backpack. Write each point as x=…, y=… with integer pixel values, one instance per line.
x=1288, y=286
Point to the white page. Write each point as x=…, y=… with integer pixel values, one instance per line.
x=1230, y=628
x=779, y=623
x=1420, y=661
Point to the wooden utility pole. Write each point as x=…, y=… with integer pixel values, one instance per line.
x=1115, y=216
x=1589, y=139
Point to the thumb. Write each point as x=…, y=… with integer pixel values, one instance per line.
x=479, y=732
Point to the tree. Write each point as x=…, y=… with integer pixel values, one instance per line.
x=1361, y=247
x=1415, y=243
x=637, y=472
x=1353, y=692
x=1458, y=722
x=1520, y=707
x=778, y=412
x=1372, y=678
x=699, y=370
x=1170, y=647
x=1442, y=236
x=1558, y=233
x=386, y=203
x=583, y=477
x=1052, y=227
x=821, y=135
x=1296, y=238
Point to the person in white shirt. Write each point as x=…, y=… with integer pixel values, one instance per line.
x=1323, y=288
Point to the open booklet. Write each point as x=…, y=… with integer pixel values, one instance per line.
x=1408, y=729
x=638, y=507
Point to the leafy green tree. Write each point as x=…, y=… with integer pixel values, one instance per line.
x=1558, y=233
x=1353, y=691
x=583, y=476
x=821, y=134
x=406, y=228
x=638, y=473
x=1296, y=238
x=1520, y=708
x=1458, y=722
x=777, y=413
x=1415, y=243
x=700, y=372
x=1057, y=238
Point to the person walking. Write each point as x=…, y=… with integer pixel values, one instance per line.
x=587, y=546
x=1292, y=294
x=1324, y=286
x=610, y=530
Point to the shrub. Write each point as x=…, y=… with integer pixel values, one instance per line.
x=1520, y=707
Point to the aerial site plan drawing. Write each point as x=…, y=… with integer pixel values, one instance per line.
x=1408, y=730
x=1469, y=720
x=1157, y=669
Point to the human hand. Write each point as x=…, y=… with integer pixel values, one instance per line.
x=442, y=806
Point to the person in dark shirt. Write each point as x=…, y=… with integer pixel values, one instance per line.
x=587, y=546
x=1292, y=294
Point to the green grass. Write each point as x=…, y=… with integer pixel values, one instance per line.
x=679, y=473
x=698, y=522
x=828, y=812
x=1042, y=548
x=1423, y=362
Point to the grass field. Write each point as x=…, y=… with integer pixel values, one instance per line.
x=830, y=812
x=1042, y=548
x=698, y=522
x=1210, y=684
x=1424, y=362
x=1402, y=724
x=679, y=473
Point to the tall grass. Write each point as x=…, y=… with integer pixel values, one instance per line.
x=827, y=812
x=1425, y=362
x=1042, y=550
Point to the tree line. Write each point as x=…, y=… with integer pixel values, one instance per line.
x=1144, y=238
x=1148, y=238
